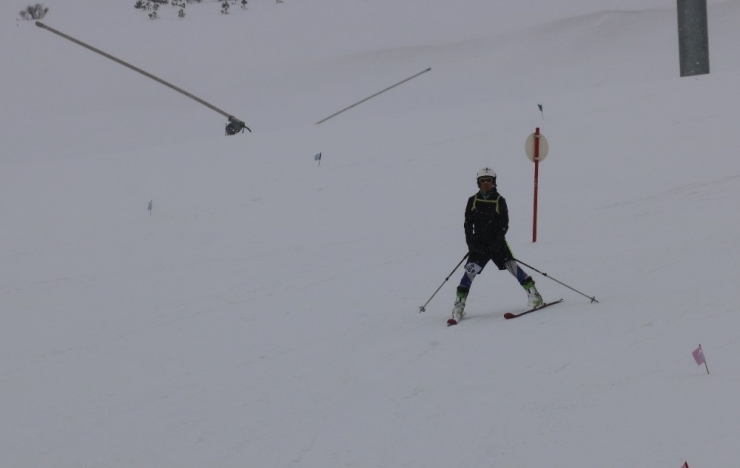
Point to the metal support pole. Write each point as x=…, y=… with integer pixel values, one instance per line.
x=370, y=97
x=693, y=37
x=234, y=126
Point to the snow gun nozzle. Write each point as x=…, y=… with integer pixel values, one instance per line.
x=236, y=126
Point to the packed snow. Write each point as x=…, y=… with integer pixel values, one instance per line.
x=265, y=311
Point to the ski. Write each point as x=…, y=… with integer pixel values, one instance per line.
x=509, y=315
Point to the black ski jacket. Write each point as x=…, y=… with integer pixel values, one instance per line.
x=486, y=223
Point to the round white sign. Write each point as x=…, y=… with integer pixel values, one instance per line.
x=529, y=147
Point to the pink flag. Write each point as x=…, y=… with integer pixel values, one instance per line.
x=699, y=356
x=686, y=464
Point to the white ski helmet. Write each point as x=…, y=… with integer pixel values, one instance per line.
x=486, y=172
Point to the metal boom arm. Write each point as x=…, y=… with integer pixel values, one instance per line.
x=234, y=123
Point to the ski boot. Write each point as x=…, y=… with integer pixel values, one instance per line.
x=458, y=310
x=534, y=300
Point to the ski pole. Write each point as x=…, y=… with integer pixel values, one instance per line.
x=593, y=299
x=423, y=308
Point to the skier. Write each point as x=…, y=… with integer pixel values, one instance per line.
x=486, y=223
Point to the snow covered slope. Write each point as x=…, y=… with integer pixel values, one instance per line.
x=265, y=313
